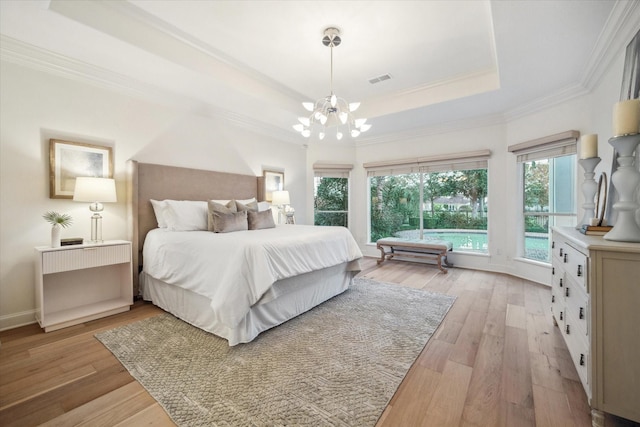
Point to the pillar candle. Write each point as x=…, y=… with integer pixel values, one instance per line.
x=589, y=146
x=626, y=117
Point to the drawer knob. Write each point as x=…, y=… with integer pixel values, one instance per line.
x=553, y=244
x=553, y=271
x=565, y=258
x=566, y=292
x=579, y=271
x=560, y=282
x=581, y=315
x=561, y=252
x=566, y=330
x=581, y=359
x=553, y=299
x=561, y=315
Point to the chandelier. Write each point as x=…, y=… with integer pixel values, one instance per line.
x=331, y=110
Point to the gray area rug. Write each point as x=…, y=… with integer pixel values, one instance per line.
x=339, y=364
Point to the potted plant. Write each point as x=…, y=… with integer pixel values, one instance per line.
x=57, y=221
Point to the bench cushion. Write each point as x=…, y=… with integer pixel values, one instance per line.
x=427, y=244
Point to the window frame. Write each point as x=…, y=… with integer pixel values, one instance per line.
x=472, y=160
x=545, y=148
x=332, y=170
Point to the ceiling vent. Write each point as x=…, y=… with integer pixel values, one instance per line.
x=379, y=79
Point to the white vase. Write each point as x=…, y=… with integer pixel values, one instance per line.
x=55, y=236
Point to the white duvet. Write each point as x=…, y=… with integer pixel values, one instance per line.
x=235, y=270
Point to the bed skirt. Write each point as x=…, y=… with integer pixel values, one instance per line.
x=289, y=298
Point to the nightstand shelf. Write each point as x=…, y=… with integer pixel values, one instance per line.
x=75, y=284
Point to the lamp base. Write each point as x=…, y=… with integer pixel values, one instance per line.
x=96, y=228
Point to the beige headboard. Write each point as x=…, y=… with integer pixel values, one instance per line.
x=149, y=181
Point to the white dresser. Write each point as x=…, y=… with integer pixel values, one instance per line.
x=595, y=300
x=78, y=283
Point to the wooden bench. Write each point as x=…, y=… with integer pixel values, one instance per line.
x=415, y=248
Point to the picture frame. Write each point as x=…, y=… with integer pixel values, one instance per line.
x=273, y=181
x=69, y=160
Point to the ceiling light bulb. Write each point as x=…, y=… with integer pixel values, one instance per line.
x=339, y=136
x=308, y=106
x=334, y=100
x=323, y=119
x=365, y=127
x=355, y=132
x=321, y=135
x=304, y=120
x=354, y=106
x=306, y=133
x=298, y=127
x=317, y=115
x=343, y=117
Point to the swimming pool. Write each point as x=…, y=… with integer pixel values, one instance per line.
x=536, y=245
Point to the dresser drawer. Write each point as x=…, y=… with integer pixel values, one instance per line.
x=577, y=306
x=86, y=257
x=579, y=350
x=575, y=265
x=578, y=345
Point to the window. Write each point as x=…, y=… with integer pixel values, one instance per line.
x=548, y=177
x=331, y=194
x=437, y=197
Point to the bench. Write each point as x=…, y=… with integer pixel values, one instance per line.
x=433, y=249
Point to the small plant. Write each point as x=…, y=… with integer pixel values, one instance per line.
x=54, y=218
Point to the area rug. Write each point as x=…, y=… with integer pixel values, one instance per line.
x=339, y=364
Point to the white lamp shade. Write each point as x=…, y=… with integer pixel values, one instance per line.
x=95, y=190
x=280, y=198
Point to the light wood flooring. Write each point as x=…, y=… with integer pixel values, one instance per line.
x=496, y=360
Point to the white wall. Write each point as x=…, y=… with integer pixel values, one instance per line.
x=35, y=106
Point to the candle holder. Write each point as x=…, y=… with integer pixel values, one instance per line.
x=589, y=189
x=626, y=179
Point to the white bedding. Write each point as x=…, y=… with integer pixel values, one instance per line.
x=236, y=270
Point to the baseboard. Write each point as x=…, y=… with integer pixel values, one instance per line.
x=16, y=320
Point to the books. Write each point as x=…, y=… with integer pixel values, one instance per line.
x=71, y=241
x=595, y=230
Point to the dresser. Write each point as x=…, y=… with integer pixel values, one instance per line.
x=595, y=301
x=78, y=283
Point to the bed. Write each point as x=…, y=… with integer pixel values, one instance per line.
x=232, y=284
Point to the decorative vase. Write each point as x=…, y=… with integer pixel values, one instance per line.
x=55, y=236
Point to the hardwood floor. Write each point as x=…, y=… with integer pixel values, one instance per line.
x=496, y=360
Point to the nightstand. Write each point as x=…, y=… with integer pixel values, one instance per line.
x=78, y=283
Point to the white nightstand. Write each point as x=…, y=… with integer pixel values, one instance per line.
x=78, y=283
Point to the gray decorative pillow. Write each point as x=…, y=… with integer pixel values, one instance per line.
x=260, y=220
x=249, y=207
x=228, y=222
x=230, y=207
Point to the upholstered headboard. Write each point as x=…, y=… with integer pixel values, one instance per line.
x=149, y=181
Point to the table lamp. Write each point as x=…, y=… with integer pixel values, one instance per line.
x=96, y=191
x=280, y=199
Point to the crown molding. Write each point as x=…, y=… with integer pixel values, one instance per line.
x=27, y=55
x=427, y=131
x=621, y=26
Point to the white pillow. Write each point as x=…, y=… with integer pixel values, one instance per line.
x=186, y=215
x=159, y=208
x=263, y=206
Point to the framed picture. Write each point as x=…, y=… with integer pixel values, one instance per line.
x=68, y=160
x=273, y=181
